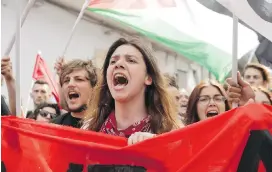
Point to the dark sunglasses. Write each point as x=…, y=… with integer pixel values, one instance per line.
x=44, y=114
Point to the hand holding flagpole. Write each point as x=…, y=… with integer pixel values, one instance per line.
x=235, y=53
x=18, y=59
x=61, y=58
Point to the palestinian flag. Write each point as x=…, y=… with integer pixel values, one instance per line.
x=186, y=27
x=255, y=15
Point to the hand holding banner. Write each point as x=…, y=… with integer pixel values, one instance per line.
x=31, y=146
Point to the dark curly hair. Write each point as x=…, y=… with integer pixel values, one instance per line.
x=41, y=106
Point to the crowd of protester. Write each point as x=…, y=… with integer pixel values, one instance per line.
x=130, y=97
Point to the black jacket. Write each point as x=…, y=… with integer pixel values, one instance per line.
x=4, y=107
x=68, y=120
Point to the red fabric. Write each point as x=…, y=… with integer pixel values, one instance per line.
x=261, y=167
x=110, y=127
x=215, y=144
x=41, y=72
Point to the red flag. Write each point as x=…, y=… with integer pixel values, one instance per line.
x=216, y=144
x=41, y=72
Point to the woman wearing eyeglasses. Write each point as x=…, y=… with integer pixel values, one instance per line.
x=210, y=98
x=207, y=99
x=45, y=112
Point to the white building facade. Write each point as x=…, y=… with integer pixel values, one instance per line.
x=47, y=29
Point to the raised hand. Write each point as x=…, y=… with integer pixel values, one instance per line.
x=241, y=92
x=6, y=68
x=59, y=64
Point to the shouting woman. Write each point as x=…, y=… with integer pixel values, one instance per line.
x=131, y=100
x=207, y=99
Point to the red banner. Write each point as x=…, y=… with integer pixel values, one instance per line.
x=215, y=144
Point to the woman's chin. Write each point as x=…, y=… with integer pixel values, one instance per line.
x=120, y=98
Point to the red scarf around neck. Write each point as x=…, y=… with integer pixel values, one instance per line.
x=110, y=127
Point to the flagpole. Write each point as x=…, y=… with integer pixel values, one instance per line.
x=30, y=90
x=25, y=13
x=28, y=99
x=18, y=58
x=84, y=6
x=235, y=52
x=252, y=54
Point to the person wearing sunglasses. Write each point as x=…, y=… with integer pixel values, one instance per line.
x=46, y=112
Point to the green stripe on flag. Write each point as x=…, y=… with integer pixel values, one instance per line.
x=215, y=60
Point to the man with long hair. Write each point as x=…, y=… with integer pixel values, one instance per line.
x=77, y=80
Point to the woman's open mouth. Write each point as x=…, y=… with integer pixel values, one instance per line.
x=120, y=80
x=212, y=113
